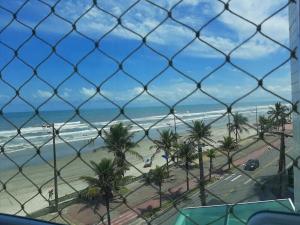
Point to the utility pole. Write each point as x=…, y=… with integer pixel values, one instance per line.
x=175, y=122
x=228, y=125
x=256, y=120
x=54, y=167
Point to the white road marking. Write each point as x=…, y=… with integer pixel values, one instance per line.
x=124, y=217
x=229, y=176
x=236, y=177
x=247, y=181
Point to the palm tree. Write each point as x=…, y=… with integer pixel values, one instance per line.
x=166, y=142
x=228, y=144
x=187, y=153
x=278, y=115
x=265, y=124
x=211, y=154
x=199, y=133
x=238, y=125
x=157, y=176
x=119, y=140
x=107, y=179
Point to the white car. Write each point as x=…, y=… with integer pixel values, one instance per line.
x=148, y=163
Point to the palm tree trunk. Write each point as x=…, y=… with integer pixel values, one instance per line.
x=236, y=135
x=167, y=158
x=202, y=181
x=187, y=175
x=281, y=167
x=229, y=126
x=228, y=159
x=107, y=208
x=121, y=160
x=160, y=197
x=210, y=168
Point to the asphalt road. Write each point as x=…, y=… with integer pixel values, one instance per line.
x=239, y=186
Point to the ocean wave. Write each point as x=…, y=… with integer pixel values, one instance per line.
x=77, y=131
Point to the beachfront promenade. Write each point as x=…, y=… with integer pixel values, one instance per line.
x=141, y=196
x=71, y=168
x=230, y=186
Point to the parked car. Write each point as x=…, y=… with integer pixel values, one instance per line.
x=251, y=164
x=147, y=163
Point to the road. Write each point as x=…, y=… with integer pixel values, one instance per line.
x=240, y=186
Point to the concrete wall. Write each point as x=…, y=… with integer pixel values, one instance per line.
x=294, y=23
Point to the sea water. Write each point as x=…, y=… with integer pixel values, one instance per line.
x=76, y=132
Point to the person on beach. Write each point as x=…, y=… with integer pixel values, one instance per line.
x=50, y=194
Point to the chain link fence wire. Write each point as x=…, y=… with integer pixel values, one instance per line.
x=44, y=181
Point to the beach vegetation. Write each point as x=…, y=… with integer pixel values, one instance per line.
x=107, y=179
x=278, y=115
x=211, y=154
x=187, y=153
x=198, y=134
x=119, y=140
x=238, y=125
x=167, y=143
x=228, y=144
x=265, y=124
x=158, y=176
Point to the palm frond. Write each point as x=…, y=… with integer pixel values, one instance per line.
x=90, y=180
x=135, y=154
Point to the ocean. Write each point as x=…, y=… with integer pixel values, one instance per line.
x=76, y=132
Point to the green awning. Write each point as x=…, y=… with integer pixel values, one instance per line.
x=230, y=214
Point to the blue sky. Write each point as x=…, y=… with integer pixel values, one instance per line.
x=258, y=56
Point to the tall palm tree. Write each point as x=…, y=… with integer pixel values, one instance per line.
x=188, y=154
x=238, y=125
x=166, y=142
x=265, y=124
x=157, y=176
x=228, y=144
x=211, y=154
x=107, y=179
x=119, y=140
x=197, y=134
x=278, y=115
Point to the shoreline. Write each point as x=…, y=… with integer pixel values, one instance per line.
x=78, y=133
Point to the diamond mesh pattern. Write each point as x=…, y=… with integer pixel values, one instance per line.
x=59, y=55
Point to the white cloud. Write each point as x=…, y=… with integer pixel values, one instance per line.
x=66, y=93
x=177, y=89
x=43, y=94
x=143, y=17
x=87, y=92
x=4, y=96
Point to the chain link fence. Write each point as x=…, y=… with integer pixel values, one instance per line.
x=165, y=156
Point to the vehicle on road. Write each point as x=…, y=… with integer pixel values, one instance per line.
x=147, y=163
x=251, y=164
